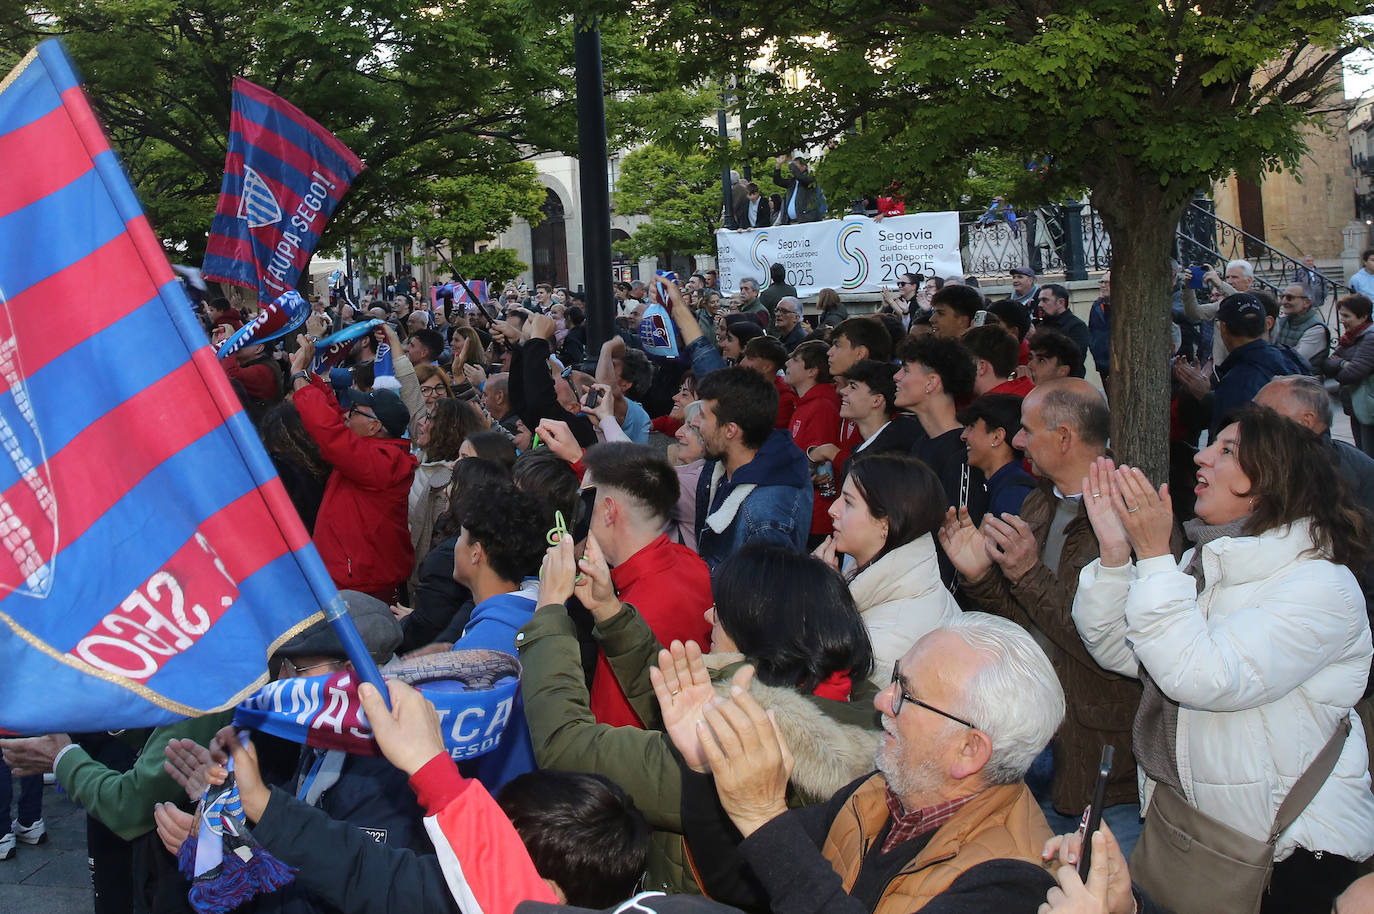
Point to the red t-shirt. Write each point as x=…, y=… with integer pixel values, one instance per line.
x=670, y=585
x=1017, y=386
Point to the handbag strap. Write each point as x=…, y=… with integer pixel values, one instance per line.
x=1311, y=781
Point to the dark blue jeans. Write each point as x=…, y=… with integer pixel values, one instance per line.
x=30, y=798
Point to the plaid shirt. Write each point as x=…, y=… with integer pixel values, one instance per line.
x=909, y=825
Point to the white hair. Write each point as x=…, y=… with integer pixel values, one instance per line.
x=691, y=410
x=1244, y=265
x=1015, y=698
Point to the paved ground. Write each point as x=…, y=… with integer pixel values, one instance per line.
x=52, y=878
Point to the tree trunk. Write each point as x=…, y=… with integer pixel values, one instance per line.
x=1141, y=223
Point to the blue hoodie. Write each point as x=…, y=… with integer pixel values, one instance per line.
x=493, y=626
x=768, y=500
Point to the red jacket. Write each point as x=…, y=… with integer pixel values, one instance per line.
x=671, y=587
x=258, y=378
x=817, y=421
x=787, y=403
x=361, y=531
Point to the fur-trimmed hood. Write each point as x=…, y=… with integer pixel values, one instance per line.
x=829, y=752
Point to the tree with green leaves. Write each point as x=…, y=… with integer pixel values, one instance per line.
x=1143, y=104
x=680, y=192
x=443, y=101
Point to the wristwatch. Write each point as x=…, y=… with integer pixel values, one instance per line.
x=300, y=376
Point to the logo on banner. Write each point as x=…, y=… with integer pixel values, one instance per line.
x=756, y=255
x=32, y=558
x=851, y=255
x=257, y=206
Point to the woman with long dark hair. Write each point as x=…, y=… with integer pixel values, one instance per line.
x=296, y=456
x=885, y=521
x=1253, y=650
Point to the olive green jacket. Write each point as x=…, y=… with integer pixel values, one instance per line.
x=833, y=742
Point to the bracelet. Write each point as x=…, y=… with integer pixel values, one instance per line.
x=300, y=376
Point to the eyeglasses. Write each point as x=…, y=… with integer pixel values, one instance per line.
x=291, y=671
x=900, y=283
x=428, y=389
x=902, y=696
x=1287, y=297
x=359, y=411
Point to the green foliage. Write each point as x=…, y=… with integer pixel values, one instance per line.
x=440, y=99
x=681, y=194
x=499, y=265
x=463, y=211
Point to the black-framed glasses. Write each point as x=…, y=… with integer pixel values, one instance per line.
x=902, y=696
x=359, y=411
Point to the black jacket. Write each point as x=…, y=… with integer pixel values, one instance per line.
x=342, y=867
x=762, y=219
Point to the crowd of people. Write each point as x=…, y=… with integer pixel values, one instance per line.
x=835, y=612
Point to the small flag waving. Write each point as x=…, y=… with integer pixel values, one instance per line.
x=283, y=178
x=151, y=559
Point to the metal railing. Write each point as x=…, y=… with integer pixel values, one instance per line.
x=1205, y=238
x=1056, y=238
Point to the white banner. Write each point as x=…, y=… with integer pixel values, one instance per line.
x=854, y=254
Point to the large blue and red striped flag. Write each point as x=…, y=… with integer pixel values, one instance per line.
x=283, y=178
x=151, y=559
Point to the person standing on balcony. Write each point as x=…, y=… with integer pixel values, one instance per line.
x=802, y=201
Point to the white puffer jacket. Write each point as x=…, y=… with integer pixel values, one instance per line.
x=901, y=599
x=1264, y=663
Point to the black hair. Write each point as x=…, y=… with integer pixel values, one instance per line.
x=636, y=368
x=769, y=349
x=432, y=340
x=363, y=375
x=950, y=359
x=1052, y=344
x=493, y=446
x=791, y=615
x=1359, y=305
x=903, y=490
x=219, y=303
x=548, y=477
x=466, y=474
x=510, y=525
x=896, y=331
x=1014, y=315
x=745, y=398
x=997, y=411
x=582, y=831
x=995, y=346
x=573, y=316
x=637, y=470
x=878, y=377
x=1057, y=290
x=813, y=354
x=866, y=332
x=963, y=300
x=285, y=439
x=777, y=272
